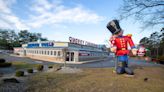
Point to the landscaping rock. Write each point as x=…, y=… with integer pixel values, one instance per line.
x=57, y=68
x=69, y=70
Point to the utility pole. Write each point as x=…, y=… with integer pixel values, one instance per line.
x=64, y=56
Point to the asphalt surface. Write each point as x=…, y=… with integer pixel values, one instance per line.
x=110, y=62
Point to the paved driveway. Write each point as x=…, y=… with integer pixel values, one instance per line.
x=110, y=62
x=98, y=64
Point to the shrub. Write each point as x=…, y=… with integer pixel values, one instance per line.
x=30, y=70
x=6, y=64
x=50, y=66
x=19, y=73
x=40, y=67
x=17, y=54
x=2, y=60
x=10, y=80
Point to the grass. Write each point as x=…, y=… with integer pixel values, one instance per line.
x=23, y=65
x=3, y=55
x=26, y=65
x=99, y=80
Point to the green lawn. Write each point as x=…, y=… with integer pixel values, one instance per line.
x=23, y=65
x=99, y=80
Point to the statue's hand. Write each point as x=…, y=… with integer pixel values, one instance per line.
x=134, y=51
x=113, y=49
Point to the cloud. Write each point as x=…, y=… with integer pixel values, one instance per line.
x=47, y=13
x=8, y=19
x=44, y=12
x=5, y=4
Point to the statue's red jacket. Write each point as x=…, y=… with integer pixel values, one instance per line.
x=121, y=42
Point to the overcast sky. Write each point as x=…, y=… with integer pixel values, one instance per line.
x=59, y=19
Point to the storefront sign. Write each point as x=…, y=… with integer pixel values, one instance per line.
x=60, y=44
x=81, y=42
x=50, y=44
x=32, y=45
x=84, y=53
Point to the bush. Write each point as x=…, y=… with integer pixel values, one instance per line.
x=2, y=60
x=17, y=54
x=40, y=67
x=6, y=64
x=50, y=66
x=30, y=70
x=10, y=80
x=19, y=73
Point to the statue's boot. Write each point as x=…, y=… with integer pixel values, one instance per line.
x=129, y=71
x=120, y=70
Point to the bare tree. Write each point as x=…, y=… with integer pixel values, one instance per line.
x=149, y=12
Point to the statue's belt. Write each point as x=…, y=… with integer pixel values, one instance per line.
x=122, y=49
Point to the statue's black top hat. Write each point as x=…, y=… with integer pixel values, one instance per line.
x=114, y=27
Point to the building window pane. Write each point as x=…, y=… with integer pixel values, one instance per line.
x=59, y=53
x=54, y=53
x=51, y=52
x=45, y=52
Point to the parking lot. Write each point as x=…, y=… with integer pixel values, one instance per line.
x=109, y=62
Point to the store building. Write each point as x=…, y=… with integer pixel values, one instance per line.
x=73, y=51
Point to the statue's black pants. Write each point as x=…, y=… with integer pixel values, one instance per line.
x=123, y=68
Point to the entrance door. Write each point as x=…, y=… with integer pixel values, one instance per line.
x=72, y=56
x=69, y=56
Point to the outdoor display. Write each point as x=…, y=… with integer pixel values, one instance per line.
x=119, y=45
x=141, y=51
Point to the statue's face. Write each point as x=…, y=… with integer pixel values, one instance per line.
x=119, y=34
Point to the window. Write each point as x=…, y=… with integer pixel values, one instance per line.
x=48, y=52
x=51, y=53
x=59, y=53
x=54, y=53
x=39, y=52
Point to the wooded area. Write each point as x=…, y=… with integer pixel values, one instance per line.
x=150, y=13
x=155, y=44
x=9, y=38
